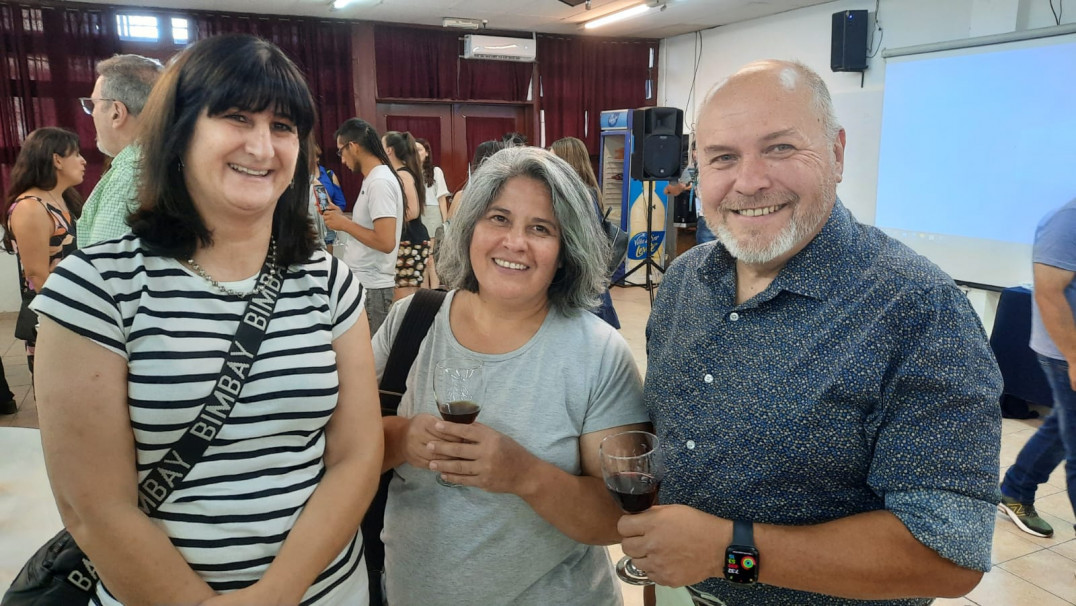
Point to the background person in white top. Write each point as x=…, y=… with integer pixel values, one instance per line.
x=376, y=218
x=435, y=211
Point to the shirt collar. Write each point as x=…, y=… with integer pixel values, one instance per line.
x=810, y=273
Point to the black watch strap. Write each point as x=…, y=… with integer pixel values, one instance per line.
x=743, y=533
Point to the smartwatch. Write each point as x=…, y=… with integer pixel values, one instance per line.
x=741, y=557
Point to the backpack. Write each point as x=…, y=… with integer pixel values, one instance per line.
x=336, y=194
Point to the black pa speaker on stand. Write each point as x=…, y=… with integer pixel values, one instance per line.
x=656, y=151
x=656, y=155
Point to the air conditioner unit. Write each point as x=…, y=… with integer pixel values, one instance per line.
x=498, y=48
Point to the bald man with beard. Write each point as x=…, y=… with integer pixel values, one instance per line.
x=827, y=402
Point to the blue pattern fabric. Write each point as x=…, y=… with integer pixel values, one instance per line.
x=859, y=380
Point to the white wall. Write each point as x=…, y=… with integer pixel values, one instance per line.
x=805, y=35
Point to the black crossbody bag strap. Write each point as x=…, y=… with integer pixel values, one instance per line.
x=62, y=554
x=188, y=450
x=413, y=328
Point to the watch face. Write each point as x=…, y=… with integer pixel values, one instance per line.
x=741, y=564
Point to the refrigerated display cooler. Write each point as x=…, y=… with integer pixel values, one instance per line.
x=627, y=198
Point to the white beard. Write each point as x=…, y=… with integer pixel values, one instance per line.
x=800, y=227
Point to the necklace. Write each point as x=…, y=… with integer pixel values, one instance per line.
x=270, y=261
x=54, y=200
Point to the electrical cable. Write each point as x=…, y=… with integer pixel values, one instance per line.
x=694, y=76
x=877, y=28
x=1060, y=10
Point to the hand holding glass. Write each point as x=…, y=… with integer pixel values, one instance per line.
x=632, y=466
x=458, y=385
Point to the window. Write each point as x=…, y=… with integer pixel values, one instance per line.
x=180, y=31
x=138, y=28
x=163, y=30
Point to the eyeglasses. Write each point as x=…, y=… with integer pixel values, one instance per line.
x=87, y=104
x=340, y=150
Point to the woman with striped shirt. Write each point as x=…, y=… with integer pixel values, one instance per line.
x=134, y=333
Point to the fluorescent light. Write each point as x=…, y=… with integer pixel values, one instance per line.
x=339, y=4
x=627, y=13
x=463, y=22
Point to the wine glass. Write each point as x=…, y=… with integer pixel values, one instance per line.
x=632, y=466
x=458, y=385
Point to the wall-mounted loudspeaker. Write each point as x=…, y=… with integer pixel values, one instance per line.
x=656, y=147
x=849, y=50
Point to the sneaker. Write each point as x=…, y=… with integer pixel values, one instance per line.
x=9, y=407
x=1025, y=517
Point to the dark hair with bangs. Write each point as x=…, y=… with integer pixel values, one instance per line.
x=215, y=75
x=34, y=168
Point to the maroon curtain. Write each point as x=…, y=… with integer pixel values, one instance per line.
x=560, y=72
x=420, y=128
x=615, y=76
x=416, y=63
x=581, y=77
x=481, y=129
x=322, y=50
x=494, y=80
x=49, y=55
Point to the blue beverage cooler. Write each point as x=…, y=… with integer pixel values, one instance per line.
x=627, y=198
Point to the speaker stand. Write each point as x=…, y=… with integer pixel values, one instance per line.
x=648, y=261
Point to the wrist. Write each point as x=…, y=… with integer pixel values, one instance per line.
x=722, y=539
x=529, y=481
x=742, y=561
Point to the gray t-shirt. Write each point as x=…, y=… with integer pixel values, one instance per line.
x=467, y=546
x=1055, y=245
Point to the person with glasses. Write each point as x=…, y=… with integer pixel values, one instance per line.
x=377, y=216
x=121, y=90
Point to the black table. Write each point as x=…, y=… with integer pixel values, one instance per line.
x=1024, y=379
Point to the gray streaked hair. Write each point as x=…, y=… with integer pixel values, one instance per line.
x=584, y=249
x=791, y=74
x=128, y=79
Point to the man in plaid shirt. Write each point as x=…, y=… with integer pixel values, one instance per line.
x=122, y=86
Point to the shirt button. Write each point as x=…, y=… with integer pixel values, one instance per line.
x=690, y=444
x=734, y=316
x=708, y=378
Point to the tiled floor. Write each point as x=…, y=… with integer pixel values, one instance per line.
x=1028, y=571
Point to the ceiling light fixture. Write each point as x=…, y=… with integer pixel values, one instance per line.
x=463, y=23
x=339, y=4
x=627, y=13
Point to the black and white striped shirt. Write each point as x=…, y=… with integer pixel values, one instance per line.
x=233, y=511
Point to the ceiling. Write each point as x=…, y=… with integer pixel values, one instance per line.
x=545, y=16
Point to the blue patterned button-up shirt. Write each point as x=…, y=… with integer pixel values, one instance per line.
x=860, y=379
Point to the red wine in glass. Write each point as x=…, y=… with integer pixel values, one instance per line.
x=634, y=491
x=460, y=411
x=458, y=387
x=632, y=467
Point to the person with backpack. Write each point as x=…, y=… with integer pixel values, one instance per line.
x=525, y=261
x=328, y=180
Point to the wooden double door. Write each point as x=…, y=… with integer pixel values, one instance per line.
x=454, y=130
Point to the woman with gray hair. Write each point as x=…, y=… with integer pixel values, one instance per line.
x=525, y=259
